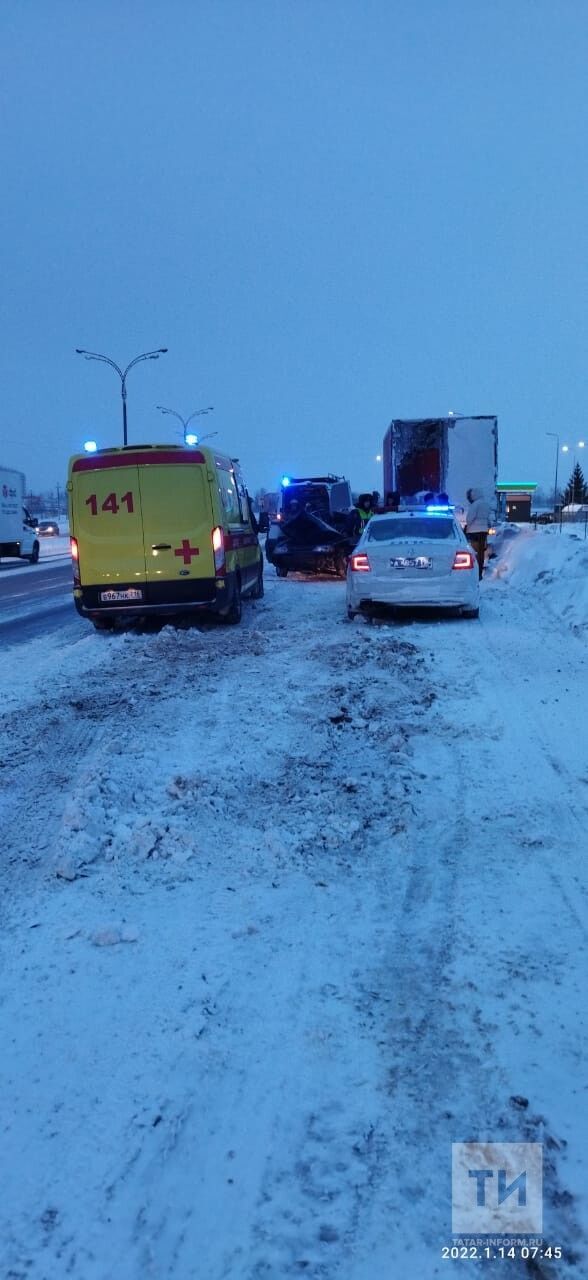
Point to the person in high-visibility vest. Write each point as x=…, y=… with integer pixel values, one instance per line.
x=364, y=507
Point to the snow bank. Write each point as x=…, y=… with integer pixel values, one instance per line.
x=549, y=570
x=287, y=910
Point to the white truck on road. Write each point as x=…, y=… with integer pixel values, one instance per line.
x=18, y=533
x=442, y=455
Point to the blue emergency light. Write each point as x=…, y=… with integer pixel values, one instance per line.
x=285, y=482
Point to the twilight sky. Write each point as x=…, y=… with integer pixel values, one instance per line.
x=333, y=212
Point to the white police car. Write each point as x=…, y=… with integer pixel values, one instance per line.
x=414, y=559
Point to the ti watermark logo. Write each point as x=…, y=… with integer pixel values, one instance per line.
x=497, y=1188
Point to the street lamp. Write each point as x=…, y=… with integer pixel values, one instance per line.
x=122, y=373
x=185, y=421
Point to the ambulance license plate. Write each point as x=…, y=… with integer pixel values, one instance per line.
x=131, y=593
x=411, y=562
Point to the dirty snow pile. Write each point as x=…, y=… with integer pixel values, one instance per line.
x=288, y=909
x=548, y=569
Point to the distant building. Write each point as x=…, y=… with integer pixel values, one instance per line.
x=514, y=501
x=267, y=502
x=575, y=511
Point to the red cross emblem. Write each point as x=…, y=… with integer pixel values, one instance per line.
x=187, y=551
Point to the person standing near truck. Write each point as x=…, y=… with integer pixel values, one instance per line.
x=478, y=524
x=364, y=507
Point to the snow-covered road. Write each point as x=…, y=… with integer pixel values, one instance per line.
x=287, y=910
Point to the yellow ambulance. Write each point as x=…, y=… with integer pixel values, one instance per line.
x=161, y=529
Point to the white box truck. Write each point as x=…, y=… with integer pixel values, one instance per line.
x=442, y=455
x=18, y=533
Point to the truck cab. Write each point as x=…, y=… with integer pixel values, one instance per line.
x=316, y=526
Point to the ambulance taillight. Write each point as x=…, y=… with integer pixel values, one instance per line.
x=218, y=547
x=75, y=556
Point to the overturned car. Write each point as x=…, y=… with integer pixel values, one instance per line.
x=316, y=527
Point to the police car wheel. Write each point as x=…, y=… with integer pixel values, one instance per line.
x=34, y=556
x=103, y=624
x=281, y=571
x=470, y=613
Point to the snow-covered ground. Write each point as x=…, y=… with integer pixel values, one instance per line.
x=286, y=911
x=51, y=547
x=549, y=570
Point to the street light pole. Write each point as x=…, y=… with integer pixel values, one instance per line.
x=186, y=421
x=556, y=438
x=122, y=373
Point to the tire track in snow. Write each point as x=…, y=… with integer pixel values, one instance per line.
x=273, y=1075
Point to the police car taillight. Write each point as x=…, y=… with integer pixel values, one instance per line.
x=218, y=547
x=463, y=560
x=360, y=564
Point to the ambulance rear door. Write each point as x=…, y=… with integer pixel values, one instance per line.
x=177, y=519
x=106, y=510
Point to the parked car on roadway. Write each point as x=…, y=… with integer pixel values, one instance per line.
x=413, y=559
x=48, y=528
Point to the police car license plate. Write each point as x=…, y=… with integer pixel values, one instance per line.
x=411, y=562
x=131, y=593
